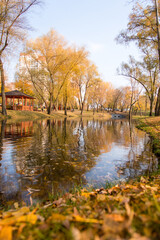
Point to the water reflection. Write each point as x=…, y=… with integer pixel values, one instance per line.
x=46, y=157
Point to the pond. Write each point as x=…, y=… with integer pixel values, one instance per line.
x=42, y=158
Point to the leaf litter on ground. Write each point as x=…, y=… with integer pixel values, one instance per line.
x=126, y=211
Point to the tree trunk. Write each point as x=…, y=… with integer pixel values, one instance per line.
x=146, y=105
x=130, y=113
x=151, y=106
x=97, y=108
x=65, y=105
x=87, y=107
x=50, y=104
x=4, y=112
x=65, y=109
x=157, y=110
x=82, y=106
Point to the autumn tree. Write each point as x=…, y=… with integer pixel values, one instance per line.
x=97, y=95
x=124, y=100
x=93, y=97
x=143, y=28
x=76, y=56
x=134, y=95
x=145, y=73
x=86, y=76
x=11, y=30
x=49, y=64
x=23, y=84
x=116, y=97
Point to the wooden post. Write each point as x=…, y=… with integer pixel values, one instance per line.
x=30, y=104
x=25, y=103
x=22, y=103
x=13, y=103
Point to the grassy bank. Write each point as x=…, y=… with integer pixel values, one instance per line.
x=27, y=115
x=151, y=125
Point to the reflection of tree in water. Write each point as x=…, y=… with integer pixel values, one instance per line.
x=8, y=189
x=137, y=164
x=2, y=129
x=58, y=153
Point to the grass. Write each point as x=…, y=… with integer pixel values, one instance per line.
x=151, y=125
x=86, y=114
x=27, y=115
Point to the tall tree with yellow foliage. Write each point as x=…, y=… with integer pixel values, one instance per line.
x=143, y=28
x=12, y=27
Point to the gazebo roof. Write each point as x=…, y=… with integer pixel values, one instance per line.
x=17, y=94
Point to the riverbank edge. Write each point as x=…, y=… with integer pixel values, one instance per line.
x=29, y=116
x=151, y=125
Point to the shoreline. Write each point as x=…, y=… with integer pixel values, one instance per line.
x=27, y=115
x=151, y=125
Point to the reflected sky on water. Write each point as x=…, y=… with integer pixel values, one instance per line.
x=43, y=158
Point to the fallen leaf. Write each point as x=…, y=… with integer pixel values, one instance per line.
x=77, y=218
x=6, y=233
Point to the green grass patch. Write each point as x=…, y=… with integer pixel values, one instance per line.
x=151, y=126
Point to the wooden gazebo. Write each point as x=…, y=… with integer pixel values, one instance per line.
x=17, y=100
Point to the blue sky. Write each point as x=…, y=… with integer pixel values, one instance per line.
x=90, y=23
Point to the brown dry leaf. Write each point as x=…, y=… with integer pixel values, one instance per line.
x=144, y=218
x=20, y=229
x=143, y=180
x=16, y=205
x=152, y=188
x=75, y=211
x=101, y=197
x=114, y=190
x=115, y=217
x=76, y=234
x=137, y=236
x=6, y=233
x=130, y=212
x=58, y=202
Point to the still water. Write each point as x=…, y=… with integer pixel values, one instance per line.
x=42, y=158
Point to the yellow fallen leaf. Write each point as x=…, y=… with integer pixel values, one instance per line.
x=57, y=217
x=30, y=218
x=85, y=194
x=21, y=211
x=7, y=214
x=77, y=218
x=6, y=233
x=8, y=221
